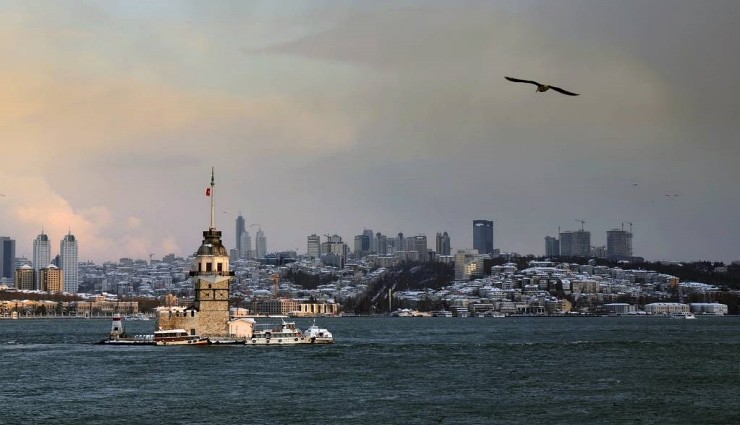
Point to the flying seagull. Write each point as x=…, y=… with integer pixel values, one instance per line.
x=542, y=87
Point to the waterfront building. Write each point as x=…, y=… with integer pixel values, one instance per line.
x=52, y=279
x=715, y=309
x=443, y=244
x=483, y=236
x=314, y=246
x=7, y=257
x=618, y=243
x=41, y=256
x=68, y=262
x=575, y=243
x=25, y=277
x=552, y=247
x=666, y=308
x=260, y=244
x=211, y=277
x=240, y=229
x=277, y=306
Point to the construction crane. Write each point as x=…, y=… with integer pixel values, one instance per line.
x=582, y=223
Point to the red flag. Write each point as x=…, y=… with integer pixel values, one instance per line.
x=208, y=191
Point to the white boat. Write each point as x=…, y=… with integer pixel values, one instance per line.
x=682, y=315
x=177, y=337
x=137, y=316
x=286, y=333
x=318, y=335
x=442, y=313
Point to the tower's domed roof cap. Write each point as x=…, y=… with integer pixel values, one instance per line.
x=212, y=244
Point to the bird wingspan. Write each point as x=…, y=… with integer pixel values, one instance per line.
x=558, y=89
x=516, y=80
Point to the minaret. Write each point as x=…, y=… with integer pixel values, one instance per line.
x=211, y=277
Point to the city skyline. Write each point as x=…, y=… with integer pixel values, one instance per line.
x=327, y=117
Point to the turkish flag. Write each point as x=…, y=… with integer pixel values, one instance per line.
x=208, y=191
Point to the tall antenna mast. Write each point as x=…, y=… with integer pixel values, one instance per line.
x=213, y=205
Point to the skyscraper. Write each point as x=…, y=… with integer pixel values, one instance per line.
x=314, y=246
x=618, y=243
x=41, y=256
x=552, y=247
x=483, y=236
x=246, y=245
x=443, y=244
x=7, y=257
x=381, y=244
x=240, y=229
x=418, y=243
x=68, y=262
x=575, y=243
x=261, y=244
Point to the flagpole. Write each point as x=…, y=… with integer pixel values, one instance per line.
x=213, y=207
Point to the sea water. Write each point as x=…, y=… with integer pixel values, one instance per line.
x=382, y=370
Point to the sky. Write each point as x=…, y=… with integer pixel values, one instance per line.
x=330, y=117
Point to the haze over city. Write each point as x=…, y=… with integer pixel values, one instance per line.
x=331, y=117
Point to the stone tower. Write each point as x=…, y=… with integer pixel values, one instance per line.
x=211, y=277
x=210, y=274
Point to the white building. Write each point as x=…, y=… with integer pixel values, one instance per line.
x=314, y=246
x=68, y=262
x=41, y=256
x=716, y=309
x=261, y=244
x=666, y=308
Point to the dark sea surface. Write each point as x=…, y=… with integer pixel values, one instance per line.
x=381, y=370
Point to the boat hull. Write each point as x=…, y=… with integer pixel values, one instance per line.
x=288, y=341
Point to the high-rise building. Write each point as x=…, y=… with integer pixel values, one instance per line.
x=418, y=243
x=381, y=244
x=443, y=244
x=483, y=236
x=41, y=256
x=368, y=241
x=7, y=257
x=240, y=229
x=69, y=263
x=575, y=243
x=552, y=247
x=261, y=244
x=246, y=245
x=52, y=279
x=400, y=242
x=25, y=276
x=618, y=243
x=314, y=246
